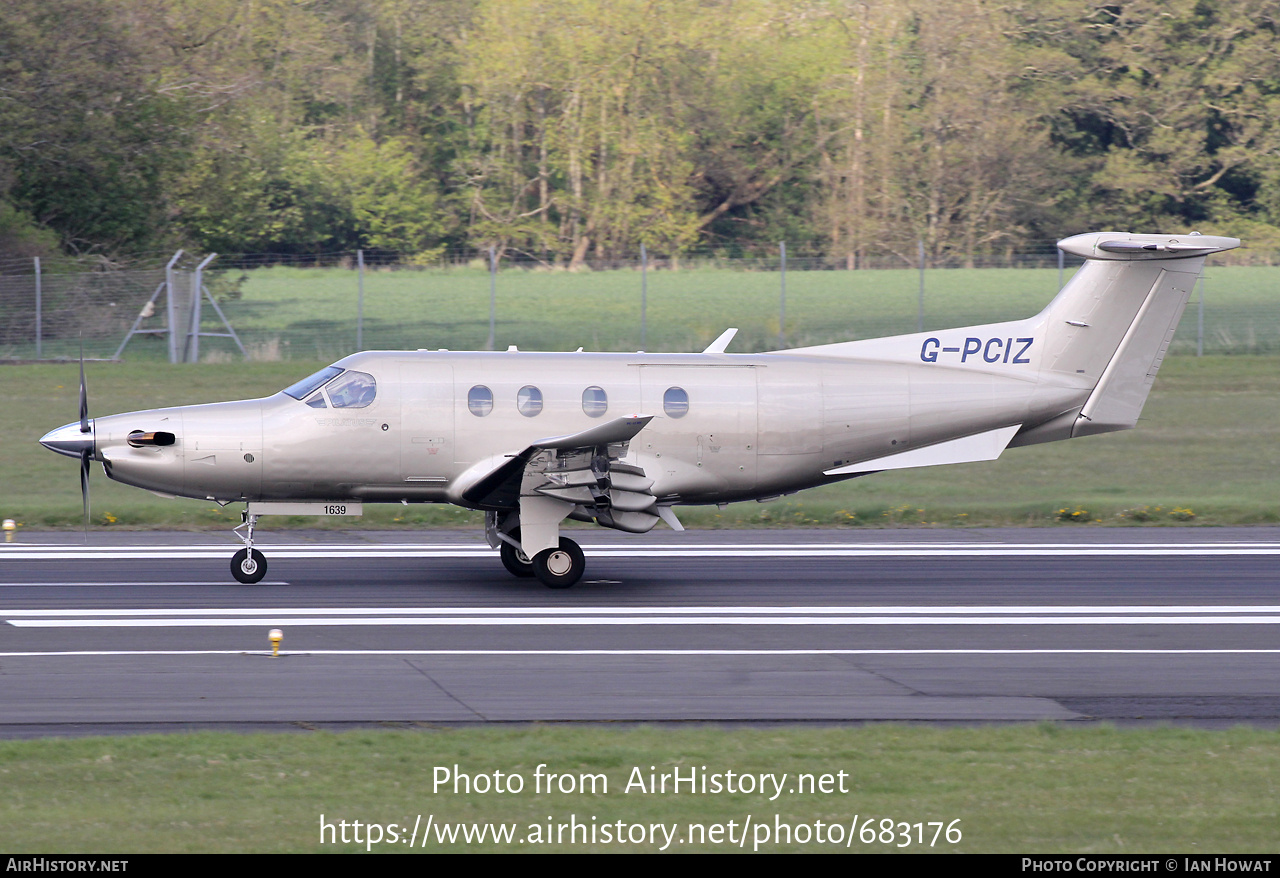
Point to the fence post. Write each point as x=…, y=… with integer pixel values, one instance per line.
x=644, y=296
x=782, y=303
x=920, y=304
x=360, y=302
x=493, y=295
x=1200, y=322
x=197, y=287
x=169, y=308
x=39, y=328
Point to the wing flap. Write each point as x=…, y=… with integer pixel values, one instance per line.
x=501, y=487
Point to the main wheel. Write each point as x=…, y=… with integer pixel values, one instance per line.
x=248, y=566
x=561, y=567
x=516, y=561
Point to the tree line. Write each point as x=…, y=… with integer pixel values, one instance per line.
x=566, y=130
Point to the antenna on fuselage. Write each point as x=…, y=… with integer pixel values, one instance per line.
x=718, y=346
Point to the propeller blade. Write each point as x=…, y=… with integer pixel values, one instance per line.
x=85, y=457
x=84, y=394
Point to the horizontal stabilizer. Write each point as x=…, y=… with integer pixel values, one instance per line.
x=1125, y=246
x=980, y=446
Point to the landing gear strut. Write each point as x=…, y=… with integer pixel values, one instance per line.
x=558, y=567
x=248, y=565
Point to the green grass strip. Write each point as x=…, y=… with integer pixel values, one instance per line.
x=1020, y=789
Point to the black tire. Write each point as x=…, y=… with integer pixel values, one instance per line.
x=248, y=566
x=562, y=567
x=516, y=561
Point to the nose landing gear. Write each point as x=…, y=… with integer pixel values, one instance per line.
x=248, y=565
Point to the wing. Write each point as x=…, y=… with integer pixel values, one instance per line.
x=580, y=470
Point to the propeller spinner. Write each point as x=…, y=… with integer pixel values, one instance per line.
x=77, y=440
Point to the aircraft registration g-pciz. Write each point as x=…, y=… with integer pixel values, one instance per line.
x=621, y=439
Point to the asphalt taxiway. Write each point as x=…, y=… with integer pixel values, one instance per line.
x=147, y=631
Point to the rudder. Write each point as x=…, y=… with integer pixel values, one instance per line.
x=1116, y=318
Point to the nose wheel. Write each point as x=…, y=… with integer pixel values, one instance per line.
x=248, y=566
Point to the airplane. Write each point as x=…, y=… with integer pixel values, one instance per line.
x=622, y=439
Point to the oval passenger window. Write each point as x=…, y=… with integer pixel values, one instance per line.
x=529, y=400
x=675, y=402
x=480, y=400
x=594, y=402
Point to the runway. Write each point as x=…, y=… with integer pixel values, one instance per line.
x=148, y=631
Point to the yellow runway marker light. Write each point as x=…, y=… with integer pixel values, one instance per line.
x=275, y=635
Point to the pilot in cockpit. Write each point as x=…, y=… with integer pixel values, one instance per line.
x=353, y=390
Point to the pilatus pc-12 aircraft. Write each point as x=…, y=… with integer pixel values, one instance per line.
x=623, y=439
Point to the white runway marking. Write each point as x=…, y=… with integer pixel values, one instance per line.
x=220, y=583
x=638, y=652
x=664, y=550
x=650, y=611
x=651, y=616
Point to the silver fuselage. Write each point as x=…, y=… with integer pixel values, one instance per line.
x=756, y=425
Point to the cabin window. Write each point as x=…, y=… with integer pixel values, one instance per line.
x=675, y=402
x=529, y=401
x=594, y=402
x=480, y=400
x=312, y=382
x=354, y=390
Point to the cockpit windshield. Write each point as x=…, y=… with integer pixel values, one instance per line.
x=311, y=382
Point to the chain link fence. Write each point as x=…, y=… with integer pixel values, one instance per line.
x=325, y=306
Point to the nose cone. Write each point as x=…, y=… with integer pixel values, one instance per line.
x=69, y=440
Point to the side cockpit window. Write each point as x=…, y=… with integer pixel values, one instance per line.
x=312, y=382
x=343, y=390
x=354, y=390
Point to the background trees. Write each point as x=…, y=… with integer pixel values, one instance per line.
x=581, y=128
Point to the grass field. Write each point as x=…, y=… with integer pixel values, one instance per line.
x=1022, y=789
x=310, y=314
x=1209, y=442
x=312, y=311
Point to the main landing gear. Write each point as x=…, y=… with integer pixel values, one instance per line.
x=248, y=565
x=558, y=567
x=514, y=559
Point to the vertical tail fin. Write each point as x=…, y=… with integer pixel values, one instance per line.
x=1117, y=316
